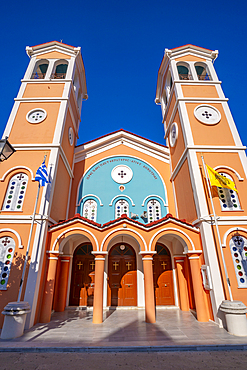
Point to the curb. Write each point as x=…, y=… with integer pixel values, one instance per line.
x=192, y=348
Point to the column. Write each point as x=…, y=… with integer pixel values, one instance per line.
x=62, y=284
x=46, y=307
x=200, y=302
x=182, y=285
x=149, y=288
x=98, y=288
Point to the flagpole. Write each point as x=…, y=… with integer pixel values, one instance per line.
x=29, y=243
x=217, y=228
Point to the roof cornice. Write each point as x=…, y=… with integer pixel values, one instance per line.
x=121, y=137
x=52, y=46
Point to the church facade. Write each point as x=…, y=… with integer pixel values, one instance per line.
x=124, y=221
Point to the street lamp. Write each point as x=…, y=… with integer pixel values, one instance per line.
x=6, y=149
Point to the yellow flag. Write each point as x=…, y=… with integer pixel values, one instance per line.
x=218, y=180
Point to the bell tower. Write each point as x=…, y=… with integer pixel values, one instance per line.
x=44, y=122
x=198, y=123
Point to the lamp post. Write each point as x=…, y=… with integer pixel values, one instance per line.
x=6, y=149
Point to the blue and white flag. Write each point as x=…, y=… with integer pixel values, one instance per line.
x=42, y=175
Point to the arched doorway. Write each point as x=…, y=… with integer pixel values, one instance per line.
x=122, y=279
x=83, y=273
x=163, y=279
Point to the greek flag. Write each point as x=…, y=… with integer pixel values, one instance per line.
x=42, y=175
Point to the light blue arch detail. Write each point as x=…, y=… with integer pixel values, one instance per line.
x=84, y=199
x=97, y=182
x=121, y=196
x=90, y=195
x=153, y=196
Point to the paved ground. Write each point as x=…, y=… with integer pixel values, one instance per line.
x=128, y=361
x=124, y=330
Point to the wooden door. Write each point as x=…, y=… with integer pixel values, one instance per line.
x=83, y=275
x=122, y=278
x=163, y=278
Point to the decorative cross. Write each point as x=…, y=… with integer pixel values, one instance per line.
x=20, y=177
x=115, y=265
x=153, y=202
x=122, y=174
x=79, y=264
x=128, y=265
x=206, y=114
x=164, y=265
x=92, y=264
x=90, y=202
x=6, y=241
x=121, y=202
x=238, y=240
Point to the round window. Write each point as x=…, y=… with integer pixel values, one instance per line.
x=36, y=115
x=122, y=174
x=173, y=134
x=71, y=136
x=207, y=114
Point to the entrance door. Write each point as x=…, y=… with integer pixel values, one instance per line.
x=122, y=278
x=163, y=279
x=82, y=281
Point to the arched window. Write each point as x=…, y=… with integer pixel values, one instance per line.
x=40, y=70
x=7, y=248
x=154, y=210
x=183, y=72
x=238, y=246
x=60, y=71
x=121, y=207
x=228, y=198
x=16, y=193
x=202, y=73
x=90, y=209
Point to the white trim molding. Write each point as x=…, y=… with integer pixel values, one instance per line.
x=122, y=196
x=20, y=246
x=157, y=196
x=74, y=229
x=236, y=229
x=172, y=229
x=90, y=195
x=123, y=229
x=17, y=168
x=230, y=169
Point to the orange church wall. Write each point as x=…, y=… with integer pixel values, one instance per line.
x=230, y=160
x=33, y=162
x=11, y=294
x=67, y=148
x=74, y=107
x=184, y=194
x=199, y=91
x=53, y=55
x=24, y=132
x=178, y=149
x=43, y=90
x=190, y=58
x=170, y=109
x=61, y=191
x=82, y=167
x=204, y=134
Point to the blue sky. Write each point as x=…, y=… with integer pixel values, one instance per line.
x=122, y=45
